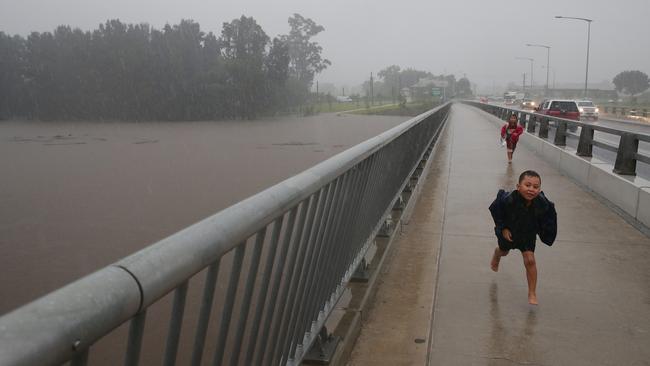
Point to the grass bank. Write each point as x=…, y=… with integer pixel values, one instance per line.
x=410, y=109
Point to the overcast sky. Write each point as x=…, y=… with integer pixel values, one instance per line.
x=474, y=37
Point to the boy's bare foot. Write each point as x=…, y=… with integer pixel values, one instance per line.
x=494, y=264
x=532, y=299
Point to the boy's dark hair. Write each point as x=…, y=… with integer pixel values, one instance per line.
x=529, y=173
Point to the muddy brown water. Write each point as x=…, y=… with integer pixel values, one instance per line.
x=77, y=196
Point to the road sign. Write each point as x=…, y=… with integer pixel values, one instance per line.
x=436, y=92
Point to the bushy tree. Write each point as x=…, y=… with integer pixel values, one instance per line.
x=12, y=84
x=305, y=54
x=244, y=45
x=277, y=72
x=463, y=87
x=631, y=82
x=391, y=81
x=411, y=76
x=305, y=60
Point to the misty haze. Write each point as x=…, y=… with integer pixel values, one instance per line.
x=122, y=123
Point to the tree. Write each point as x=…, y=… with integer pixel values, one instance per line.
x=450, y=90
x=631, y=82
x=243, y=45
x=412, y=76
x=305, y=60
x=12, y=89
x=277, y=73
x=464, y=87
x=390, y=75
x=305, y=55
x=391, y=81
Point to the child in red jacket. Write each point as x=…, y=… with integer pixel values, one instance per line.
x=510, y=132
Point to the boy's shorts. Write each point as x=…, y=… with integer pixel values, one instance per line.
x=507, y=245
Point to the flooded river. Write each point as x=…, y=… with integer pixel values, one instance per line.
x=76, y=196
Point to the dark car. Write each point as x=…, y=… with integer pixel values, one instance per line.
x=560, y=108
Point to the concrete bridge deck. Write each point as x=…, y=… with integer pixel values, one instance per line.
x=439, y=303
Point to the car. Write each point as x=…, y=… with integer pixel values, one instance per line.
x=560, y=108
x=528, y=104
x=343, y=98
x=587, y=109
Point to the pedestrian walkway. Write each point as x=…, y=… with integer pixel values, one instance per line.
x=439, y=303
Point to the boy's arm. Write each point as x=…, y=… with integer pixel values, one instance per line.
x=547, y=220
x=497, y=210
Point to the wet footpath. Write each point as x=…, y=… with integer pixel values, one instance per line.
x=439, y=303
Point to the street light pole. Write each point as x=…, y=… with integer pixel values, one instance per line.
x=588, y=40
x=548, y=58
x=531, y=70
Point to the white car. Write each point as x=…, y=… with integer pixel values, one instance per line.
x=587, y=109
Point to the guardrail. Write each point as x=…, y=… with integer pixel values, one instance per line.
x=277, y=262
x=627, y=150
x=625, y=111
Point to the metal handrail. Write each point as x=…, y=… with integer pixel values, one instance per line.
x=627, y=153
x=302, y=239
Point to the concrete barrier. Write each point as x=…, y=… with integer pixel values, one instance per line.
x=629, y=194
x=614, y=188
x=643, y=209
x=575, y=167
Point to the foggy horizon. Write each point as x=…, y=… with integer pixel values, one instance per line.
x=472, y=38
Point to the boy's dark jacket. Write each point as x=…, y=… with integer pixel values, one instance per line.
x=545, y=215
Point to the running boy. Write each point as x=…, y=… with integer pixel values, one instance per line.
x=519, y=216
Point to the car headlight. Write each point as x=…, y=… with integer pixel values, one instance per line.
x=581, y=110
x=597, y=110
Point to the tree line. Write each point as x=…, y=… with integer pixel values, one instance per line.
x=393, y=78
x=136, y=72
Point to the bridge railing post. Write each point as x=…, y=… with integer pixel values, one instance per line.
x=543, y=128
x=626, y=157
x=322, y=351
x=584, y=144
x=560, y=134
x=532, y=123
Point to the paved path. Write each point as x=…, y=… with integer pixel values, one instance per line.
x=593, y=287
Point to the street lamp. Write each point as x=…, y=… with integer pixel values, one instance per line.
x=551, y=68
x=548, y=58
x=531, y=70
x=588, y=36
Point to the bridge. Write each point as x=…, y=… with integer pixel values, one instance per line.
x=379, y=255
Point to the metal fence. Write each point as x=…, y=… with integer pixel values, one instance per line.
x=626, y=111
x=275, y=265
x=627, y=150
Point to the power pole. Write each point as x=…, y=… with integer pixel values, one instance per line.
x=523, y=84
x=372, y=92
